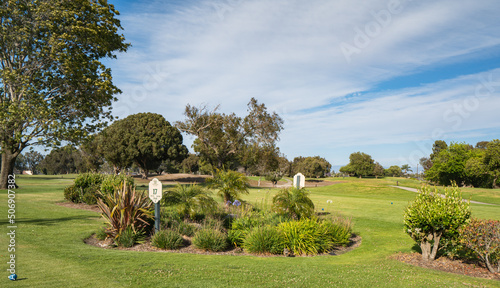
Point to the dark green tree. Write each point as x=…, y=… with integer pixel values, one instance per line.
x=311, y=166
x=63, y=160
x=437, y=147
x=378, y=170
x=492, y=160
x=360, y=164
x=394, y=171
x=426, y=163
x=145, y=139
x=449, y=165
x=53, y=86
x=191, y=164
x=33, y=160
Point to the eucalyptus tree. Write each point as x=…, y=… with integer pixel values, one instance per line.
x=222, y=139
x=53, y=86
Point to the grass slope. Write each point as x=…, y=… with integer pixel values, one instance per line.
x=51, y=253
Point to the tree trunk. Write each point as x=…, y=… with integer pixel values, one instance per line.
x=8, y=160
x=426, y=250
x=435, y=247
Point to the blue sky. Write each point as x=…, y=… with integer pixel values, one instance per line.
x=387, y=78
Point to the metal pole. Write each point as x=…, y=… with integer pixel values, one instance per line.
x=157, y=216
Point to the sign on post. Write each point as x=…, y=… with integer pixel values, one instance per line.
x=155, y=190
x=299, y=181
x=155, y=194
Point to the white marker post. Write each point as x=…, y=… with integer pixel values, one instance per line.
x=155, y=194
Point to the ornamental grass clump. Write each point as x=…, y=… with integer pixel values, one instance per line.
x=483, y=237
x=264, y=240
x=210, y=240
x=167, y=239
x=125, y=208
x=430, y=218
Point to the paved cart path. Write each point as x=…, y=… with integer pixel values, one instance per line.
x=416, y=191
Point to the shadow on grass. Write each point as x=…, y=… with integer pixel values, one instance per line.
x=50, y=221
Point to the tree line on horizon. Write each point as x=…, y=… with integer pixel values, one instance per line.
x=464, y=164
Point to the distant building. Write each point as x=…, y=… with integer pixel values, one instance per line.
x=27, y=172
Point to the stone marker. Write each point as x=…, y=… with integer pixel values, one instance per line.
x=299, y=181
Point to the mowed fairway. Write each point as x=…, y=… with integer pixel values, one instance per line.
x=50, y=251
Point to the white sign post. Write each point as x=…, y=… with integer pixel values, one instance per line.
x=299, y=181
x=155, y=194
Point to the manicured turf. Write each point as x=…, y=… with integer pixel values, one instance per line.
x=51, y=253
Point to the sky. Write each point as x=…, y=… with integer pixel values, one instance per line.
x=386, y=78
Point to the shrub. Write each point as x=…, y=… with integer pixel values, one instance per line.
x=186, y=229
x=483, y=237
x=210, y=239
x=110, y=183
x=337, y=229
x=129, y=237
x=431, y=217
x=167, y=239
x=89, y=198
x=72, y=193
x=101, y=234
x=125, y=209
x=301, y=237
x=294, y=203
x=191, y=200
x=264, y=239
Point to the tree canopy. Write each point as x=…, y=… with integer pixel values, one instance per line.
x=53, y=86
x=145, y=139
x=360, y=164
x=223, y=139
x=311, y=166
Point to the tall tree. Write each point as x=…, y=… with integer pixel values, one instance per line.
x=311, y=166
x=33, y=160
x=405, y=168
x=492, y=160
x=437, y=147
x=62, y=161
x=221, y=138
x=146, y=139
x=378, y=170
x=53, y=86
x=360, y=164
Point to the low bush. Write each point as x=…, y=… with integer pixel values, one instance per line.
x=124, y=209
x=483, y=238
x=338, y=229
x=264, y=240
x=301, y=237
x=167, y=239
x=101, y=234
x=186, y=229
x=210, y=240
x=72, y=193
x=109, y=183
x=89, y=185
x=129, y=237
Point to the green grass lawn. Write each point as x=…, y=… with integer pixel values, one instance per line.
x=51, y=253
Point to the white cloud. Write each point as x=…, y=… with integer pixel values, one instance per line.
x=288, y=55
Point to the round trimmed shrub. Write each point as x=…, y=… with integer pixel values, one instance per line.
x=167, y=239
x=263, y=240
x=72, y=193
x=210, y=240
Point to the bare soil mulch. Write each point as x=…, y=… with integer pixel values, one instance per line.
x=448, y=265
x=355, y=242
